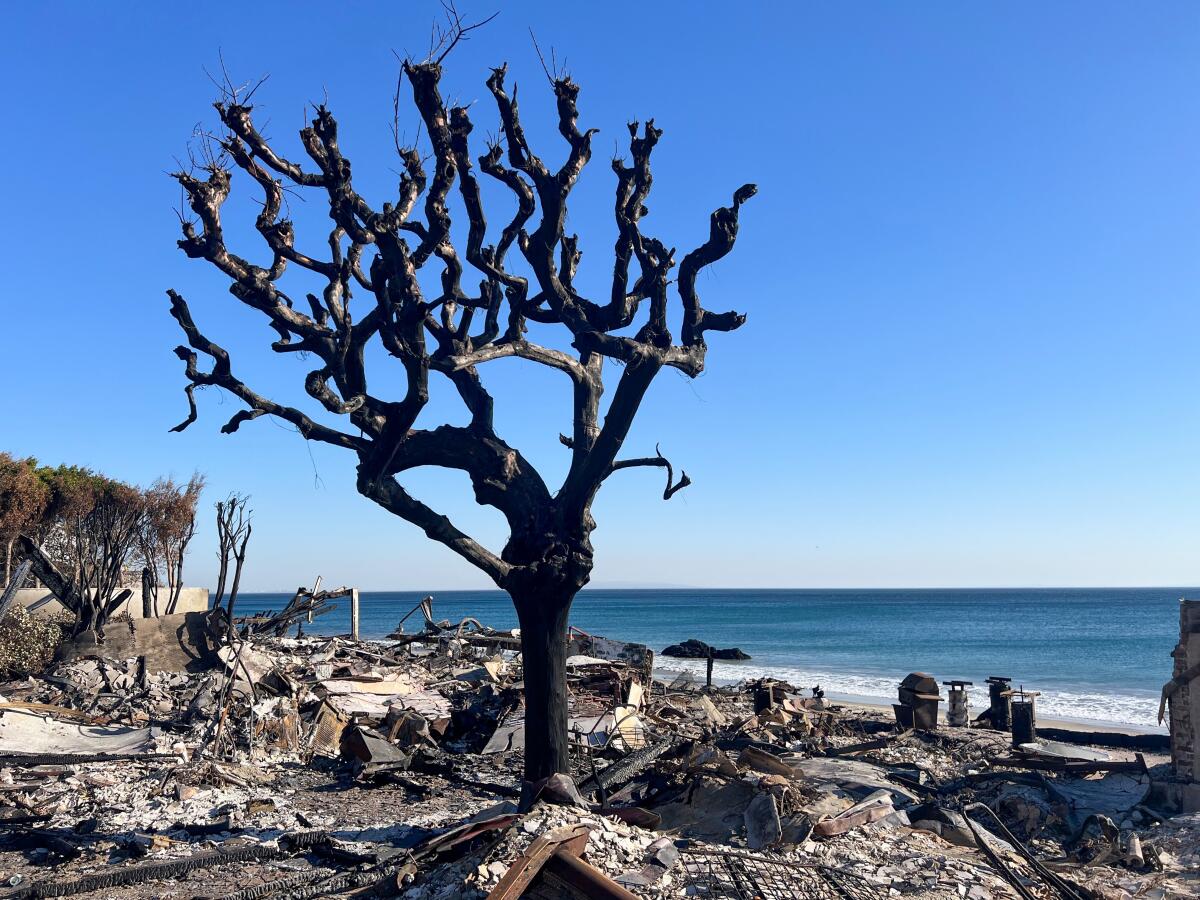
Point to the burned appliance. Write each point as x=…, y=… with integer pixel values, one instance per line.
x=918, y=706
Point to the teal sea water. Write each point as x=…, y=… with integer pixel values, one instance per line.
x=1096, y=654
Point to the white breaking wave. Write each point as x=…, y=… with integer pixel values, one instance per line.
x=1138, y=710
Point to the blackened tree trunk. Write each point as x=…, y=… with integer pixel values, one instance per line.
x=544, y=660
x=376, y=257
x=149, y=594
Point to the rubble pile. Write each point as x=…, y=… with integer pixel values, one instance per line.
x=305, y=766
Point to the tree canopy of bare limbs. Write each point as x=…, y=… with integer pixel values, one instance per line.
x=233, y=534
x=523, y=272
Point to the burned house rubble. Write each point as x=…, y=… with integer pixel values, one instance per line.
x=253, y=761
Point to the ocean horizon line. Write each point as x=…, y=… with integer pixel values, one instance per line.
x=680, y=588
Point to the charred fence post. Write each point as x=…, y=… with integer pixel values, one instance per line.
x=764, y=696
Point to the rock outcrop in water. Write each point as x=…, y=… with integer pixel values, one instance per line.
x=694, y=649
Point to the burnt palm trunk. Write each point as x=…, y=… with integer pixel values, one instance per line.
x=544, y=663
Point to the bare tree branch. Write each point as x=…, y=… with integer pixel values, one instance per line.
x=222, y=376
x=61, y=586
x=662, y=462
x=392, y=497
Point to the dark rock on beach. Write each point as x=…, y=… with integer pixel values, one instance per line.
x=694, y=649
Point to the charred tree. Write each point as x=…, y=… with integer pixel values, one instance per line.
x=167, y=530
x=92, y=525
x=525, y=274
x=233, y=534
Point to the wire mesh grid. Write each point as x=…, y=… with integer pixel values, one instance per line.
x=746, y=876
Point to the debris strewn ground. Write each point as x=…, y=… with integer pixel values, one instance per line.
x=269, y=765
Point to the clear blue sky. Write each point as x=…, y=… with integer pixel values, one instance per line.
x=971, y=275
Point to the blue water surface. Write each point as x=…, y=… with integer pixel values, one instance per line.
x=1097, y=654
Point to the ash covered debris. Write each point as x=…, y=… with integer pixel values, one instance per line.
x=285, y=766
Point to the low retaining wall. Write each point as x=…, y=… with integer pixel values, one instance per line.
x=40, y=600
x=184, y=642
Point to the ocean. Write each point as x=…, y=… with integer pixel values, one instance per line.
x=1097, y=655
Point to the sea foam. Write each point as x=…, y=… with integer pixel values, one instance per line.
x=1133, y=709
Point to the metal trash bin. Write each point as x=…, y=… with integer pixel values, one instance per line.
x=999, y=692
x=1024, y=716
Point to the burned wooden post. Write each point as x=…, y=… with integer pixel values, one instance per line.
x=708, y=669
x=64, y=589
x=764, y=696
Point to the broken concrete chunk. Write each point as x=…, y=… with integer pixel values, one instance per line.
x=762, y=822
x=761, y=761
x=24, y=731
x=558, y=788
x=370, y=747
